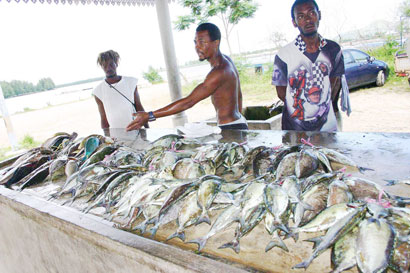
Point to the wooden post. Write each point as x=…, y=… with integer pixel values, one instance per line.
x=7, y=120
x=168, y=48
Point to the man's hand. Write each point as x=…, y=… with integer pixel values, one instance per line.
x=141, y=118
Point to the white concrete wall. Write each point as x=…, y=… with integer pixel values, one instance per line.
x=38, y=236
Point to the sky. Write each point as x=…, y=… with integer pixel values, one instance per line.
x=63, y=41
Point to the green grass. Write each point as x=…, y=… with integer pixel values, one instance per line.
x=386, y=53
x=27, y=143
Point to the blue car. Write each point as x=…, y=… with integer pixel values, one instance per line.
x=362, y=69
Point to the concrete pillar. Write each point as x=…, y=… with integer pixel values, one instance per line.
x=7, y=120
x=174, y=81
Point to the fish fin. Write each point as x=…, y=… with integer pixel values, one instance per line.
x=180, y=235
x=235, y=245
x=362, y=169
x=203, y=218
x=315, y=240
x=199, y=241
x=276, y=243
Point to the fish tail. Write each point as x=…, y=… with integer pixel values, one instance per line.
x=316, y=241
x=276, y=243
x=204, y=218
x=141, y=227
x=283, y=228
x=178, y=234
x=234, y=245
x=304, y=264
x=390, y=182
x=362, y=169
x=294, y=235
x=154, y=230
x=200, y=242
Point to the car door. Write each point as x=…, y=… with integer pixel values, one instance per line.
x=366, y=73
x=350, y=69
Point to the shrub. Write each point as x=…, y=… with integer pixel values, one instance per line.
x=152, y=75
x=28, y=142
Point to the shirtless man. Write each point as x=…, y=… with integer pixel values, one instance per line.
x=221, y=83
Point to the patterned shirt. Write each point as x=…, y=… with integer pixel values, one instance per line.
x=308, y=104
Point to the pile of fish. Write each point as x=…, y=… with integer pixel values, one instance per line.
x=288, y=189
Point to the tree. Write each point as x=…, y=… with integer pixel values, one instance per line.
x=277, y=38
x=45, y=84
x=229, y=11
x=405, y=8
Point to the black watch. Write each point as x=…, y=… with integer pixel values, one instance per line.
x=151, y=116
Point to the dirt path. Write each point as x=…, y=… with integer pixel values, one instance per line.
x=375, y=109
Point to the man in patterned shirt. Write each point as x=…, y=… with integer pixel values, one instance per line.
x=307, y=74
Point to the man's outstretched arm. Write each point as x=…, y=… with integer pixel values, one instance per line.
x=202, y=91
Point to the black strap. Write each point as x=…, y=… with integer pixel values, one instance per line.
x=133, y=104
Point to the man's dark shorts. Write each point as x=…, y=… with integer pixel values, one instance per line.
x=238, y=126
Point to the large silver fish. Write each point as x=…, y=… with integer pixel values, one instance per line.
x=343, y=255
x=188, y=215
x=375, y=244
x=340, y=158
x=338, y=230
x=306, y=163
x=224, y=220
x=206, y=193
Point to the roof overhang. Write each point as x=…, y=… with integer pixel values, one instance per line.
x=96, y=2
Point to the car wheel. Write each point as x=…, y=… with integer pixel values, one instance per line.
x=381, y=78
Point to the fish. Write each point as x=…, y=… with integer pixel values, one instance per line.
x=343, y=253
x=318, y=178
x=99, y=154
x=362, y=189
x=277, y=203
x=175, y=195
x=400, y=261
x=323, y=160
x=244, y=228
x=275, y=240
x=334, y=233
x=25, y=169
x=405, y=181
x=227, y=217
x=306, y=163
x=286, y=166
x=375, y=244
x=206, y=193
x=57, y=168
x=340, y=158
x=188, y=215
x=186, y=168
x=326, y=218
x=35, y=177
x=338, y=193
x=313, y=202
x=251, y=197
x=71, y=167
